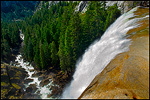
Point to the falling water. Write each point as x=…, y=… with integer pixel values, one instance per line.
x=100, y=53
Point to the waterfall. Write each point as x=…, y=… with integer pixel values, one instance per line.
x=113, y=42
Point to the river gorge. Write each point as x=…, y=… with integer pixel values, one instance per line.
x=113, y=66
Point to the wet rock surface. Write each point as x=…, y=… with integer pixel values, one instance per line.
x=58, y=80
x=26, y=81
x=31, y=89
x=44, y=82
x=31, y=96
x=18, y=75
x=36, y=74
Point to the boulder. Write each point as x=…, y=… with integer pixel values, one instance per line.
x=15, y=80
x=33, y=64
x=31, y=96
x=26, y=81
x=56, y=92
x=36, y=74
x=45, y=82
x=42, y=77
x=4, y=78
x=31, y=89
x=31, y=70
x=17, y=63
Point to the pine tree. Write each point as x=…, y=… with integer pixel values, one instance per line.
x=30, y=50
x=75, y=35
x=68, y=49
x=37, y=56
x=54, y=56
x=6, y=48
x=46, y=54
x=61, y=53
x=42, y=56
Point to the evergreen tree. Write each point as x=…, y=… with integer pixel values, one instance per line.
x=68, y=49
x=42, y=56
x=37, y=57
x=61, y=29
x=61, y=53
x=6, y=48
x=54, y=56
x=30, y=50
x=46, y=54
x=75, y=35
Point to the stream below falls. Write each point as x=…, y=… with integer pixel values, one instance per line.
x=41, y=92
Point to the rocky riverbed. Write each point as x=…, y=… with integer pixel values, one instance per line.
x=16, y=76
x=28, y=83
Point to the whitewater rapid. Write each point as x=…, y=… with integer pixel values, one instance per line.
x=42, y=91
x=113, y=42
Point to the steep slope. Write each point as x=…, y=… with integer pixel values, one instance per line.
x=127, y=75
x=12, y=82
x=16, y=10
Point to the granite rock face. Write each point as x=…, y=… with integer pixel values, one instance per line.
x=127, y=75
x=125, y=6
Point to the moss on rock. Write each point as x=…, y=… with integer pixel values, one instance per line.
x=16, y=86
x=17, y=75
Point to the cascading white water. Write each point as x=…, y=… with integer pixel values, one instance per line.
x=100, y=53
x=43, y=91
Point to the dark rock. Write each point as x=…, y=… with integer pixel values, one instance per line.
x=31, y=89
x=38, y=92
x=12, y=91
x=17, y=63
x=31, y=96
x=28, y=80
x=42, y=77
x=144, y=3
x=4, y=78
x=83, y=4
x=15, y=80
x=44, y=82
x=37, y=74
x=55, y=91
x=17, y=75
x=33, y=64
x=49, y=95
x=31, y=70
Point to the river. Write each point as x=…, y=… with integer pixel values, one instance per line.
x=44, y=91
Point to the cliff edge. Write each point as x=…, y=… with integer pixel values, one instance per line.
x=127, y=75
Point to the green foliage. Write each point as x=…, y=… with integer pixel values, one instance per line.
x=36, y=57
x=112, y=14
x=54, y=56
x=13, y=10
x=59, y=35
x=42, y=56
x=30, y=50
x=9, y=38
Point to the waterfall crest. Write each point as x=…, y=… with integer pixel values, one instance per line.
x=113, y=42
